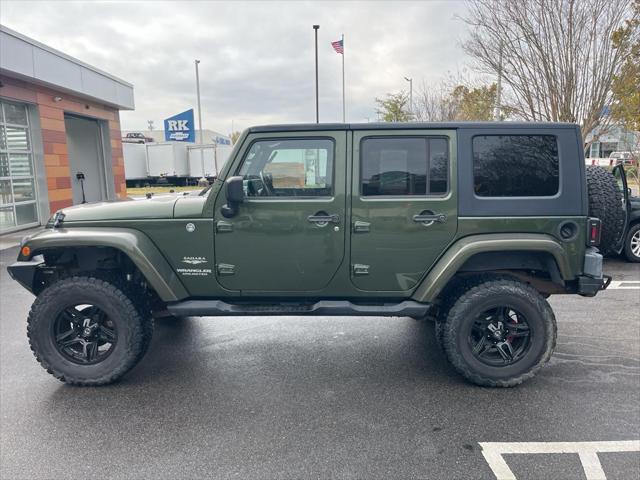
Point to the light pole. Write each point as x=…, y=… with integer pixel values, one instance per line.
x=203, y=179
x=410, y=80
x=496, y=108
x=198, y=99
x=315, y=28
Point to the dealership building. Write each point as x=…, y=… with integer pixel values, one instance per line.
x=60, y=136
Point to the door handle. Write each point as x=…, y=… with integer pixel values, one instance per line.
x=322, y=219
x=428, y=218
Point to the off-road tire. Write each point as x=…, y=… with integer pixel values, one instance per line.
x=605, y=203
x=486, y=294
x=634, y=230
x=134, y=327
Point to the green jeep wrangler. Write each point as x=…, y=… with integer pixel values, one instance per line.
x=471, y=224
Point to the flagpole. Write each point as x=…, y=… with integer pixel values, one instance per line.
x=343, y=102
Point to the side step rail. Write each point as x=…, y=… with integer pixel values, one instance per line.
x=211, y=308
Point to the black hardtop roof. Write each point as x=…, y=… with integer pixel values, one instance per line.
x=311, y=127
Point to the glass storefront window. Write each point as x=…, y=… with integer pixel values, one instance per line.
x=4, y=165
x=17, y=138
x=20, y=165
x=5, y=192
x=18, y=196
x=14, y=113
x=6, y=217
x=23, y=190
x=26, y=213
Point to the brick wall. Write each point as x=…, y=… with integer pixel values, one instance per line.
x=54, y=139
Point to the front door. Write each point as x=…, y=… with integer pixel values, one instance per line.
x=288, y=234
x=404, y=206
x=84, y=144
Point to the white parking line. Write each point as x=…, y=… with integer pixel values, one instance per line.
x=587, y=451
x=624, y=285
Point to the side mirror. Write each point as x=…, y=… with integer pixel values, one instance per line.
x=235, y=196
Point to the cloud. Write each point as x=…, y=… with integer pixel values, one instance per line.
x=257, y=60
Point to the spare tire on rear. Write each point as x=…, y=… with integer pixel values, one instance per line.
x=605, y=203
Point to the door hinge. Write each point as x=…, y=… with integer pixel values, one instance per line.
x=222, y=226
x=361, y=227
x=225, y=269
x=359, y=269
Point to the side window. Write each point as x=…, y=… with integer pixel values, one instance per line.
x=515, y=166
x=289, y=168
x=401, y=166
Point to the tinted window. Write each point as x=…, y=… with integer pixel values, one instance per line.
x=404, y=166
x=288, y=168
x=515, y=165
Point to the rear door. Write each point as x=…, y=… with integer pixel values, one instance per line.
x=404, y=206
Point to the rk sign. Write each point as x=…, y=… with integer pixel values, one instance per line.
x=180, y=127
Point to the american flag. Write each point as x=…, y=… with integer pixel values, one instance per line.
x=338, y=46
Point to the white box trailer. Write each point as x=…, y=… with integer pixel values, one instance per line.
x=223, y=152
x=211, y=156
x=135, y=161
x=199, y=156
x=168, y=159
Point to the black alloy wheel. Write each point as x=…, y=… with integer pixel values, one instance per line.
x=84, y=334
x=500, y=336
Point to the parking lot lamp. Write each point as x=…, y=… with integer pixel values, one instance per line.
x=315, y=28
x=410, y=80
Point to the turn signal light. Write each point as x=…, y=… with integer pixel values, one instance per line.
x=26, y=251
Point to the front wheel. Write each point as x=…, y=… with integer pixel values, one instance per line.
x=499, y=333
x=88, y=331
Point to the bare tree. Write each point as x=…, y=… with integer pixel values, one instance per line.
x=434, y=104
x=555, y=57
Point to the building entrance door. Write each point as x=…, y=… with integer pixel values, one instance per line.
x=86, y=159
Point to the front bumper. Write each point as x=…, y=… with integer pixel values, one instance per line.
x=24, y=272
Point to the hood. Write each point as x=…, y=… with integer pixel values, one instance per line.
x=155, y=207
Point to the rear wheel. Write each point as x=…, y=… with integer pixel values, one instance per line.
x=88, y=331
x=499, y=333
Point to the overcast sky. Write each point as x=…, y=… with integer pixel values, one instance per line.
x=257, y=57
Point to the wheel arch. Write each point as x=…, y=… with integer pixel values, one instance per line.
x=133, y=244
x=514, y=253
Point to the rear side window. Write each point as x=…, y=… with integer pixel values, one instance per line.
x=402, y=166
x=515, y=165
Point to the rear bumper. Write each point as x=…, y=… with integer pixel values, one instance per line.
x=24, y=272
x=589, y=286
x=593, y=280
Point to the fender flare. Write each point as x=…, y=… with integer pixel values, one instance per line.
x=462, y=250
x=133, y=243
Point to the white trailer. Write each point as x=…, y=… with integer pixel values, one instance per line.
x=202, y=156
x=213, y=157
x=168, y=159
x=136, y=168
x=223, y=152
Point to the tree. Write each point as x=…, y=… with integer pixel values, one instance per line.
x=555, y=57
x=234, y=137
x=434, y=104
x=459, y=102
x=626, y=84
x=475, y=104
x=394, y=108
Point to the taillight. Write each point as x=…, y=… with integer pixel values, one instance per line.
x=594, y=231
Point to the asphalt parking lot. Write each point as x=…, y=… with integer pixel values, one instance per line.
x=271, y=397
